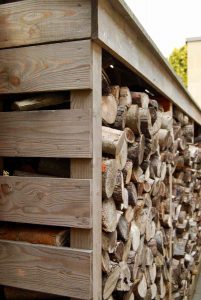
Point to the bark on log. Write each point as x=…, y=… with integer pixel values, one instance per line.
x=35, y=234
x=120, y=121
x=132, y=119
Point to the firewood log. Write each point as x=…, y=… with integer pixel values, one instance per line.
x=119, y=188
x=112, y=140
x=129, y=214
x=157, y=123
x=137, y=175
x=109, y=241
x=109, y=174
x=109, y=215
x=35, y=234
x=132, y=194
x=163, y=138
x=109, y=109
x=167, y=121
x=111, y=282
x=122, y=156
x=127, y=172
x=124, y=282
x=120, y=121
x=141, y=99
x=136, y=151
x=125, y=96
x=145, y=122
x=117, y=255
x=37, y=102
x=132, y=119
x=123, y=229
x=141, y=290
x=129, y=135
x=115, y=91
x=135, y=236
x=106, y=266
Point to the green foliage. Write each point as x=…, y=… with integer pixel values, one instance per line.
x=178, y=60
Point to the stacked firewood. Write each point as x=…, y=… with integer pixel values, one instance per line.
x=137, y=139
x=186, y=207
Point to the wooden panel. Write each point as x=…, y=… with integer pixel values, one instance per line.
x=47, y=269
x=48, y=201
x=133, y=47
x=61, y=133
x=34, y=21
x=53, y=67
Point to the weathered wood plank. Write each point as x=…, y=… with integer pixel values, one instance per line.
x=48, y=201
x=54, y=270
x=133, y=47
x=61, y=133
x=91, y=169
x=34, y=21
x=53, y=67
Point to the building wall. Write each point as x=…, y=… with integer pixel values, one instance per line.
x=194, y=69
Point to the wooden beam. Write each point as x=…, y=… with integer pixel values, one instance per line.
x=53, y=67
x=48, y=201
x=91, y=169
x=33, y=22
x=133, y=47
x=60, y=133
x=54, y=270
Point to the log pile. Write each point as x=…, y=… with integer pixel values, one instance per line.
x=186, y=207
x=137, y=139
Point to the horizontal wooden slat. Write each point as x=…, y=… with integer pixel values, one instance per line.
x=61, y=133
x=47, y=269
x=48, y=201
x=53, y=67
x=35, y=21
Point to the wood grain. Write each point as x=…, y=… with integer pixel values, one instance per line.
x=61, y=133
x=48, y=201
x=53, y=67
x=34, y=21
x=55, y=270
x=91, y=169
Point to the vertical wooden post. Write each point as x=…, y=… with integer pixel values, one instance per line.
x=91, y=168
x=171, y=213
x=171, y=230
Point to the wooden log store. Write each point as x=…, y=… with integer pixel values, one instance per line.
x=100, y=173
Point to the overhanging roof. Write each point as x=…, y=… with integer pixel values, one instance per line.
x=118, y=30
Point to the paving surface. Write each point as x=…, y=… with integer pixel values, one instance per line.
x=197, y=295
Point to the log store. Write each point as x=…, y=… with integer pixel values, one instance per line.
x=100, y=186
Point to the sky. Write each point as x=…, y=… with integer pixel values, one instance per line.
x=168, y=22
